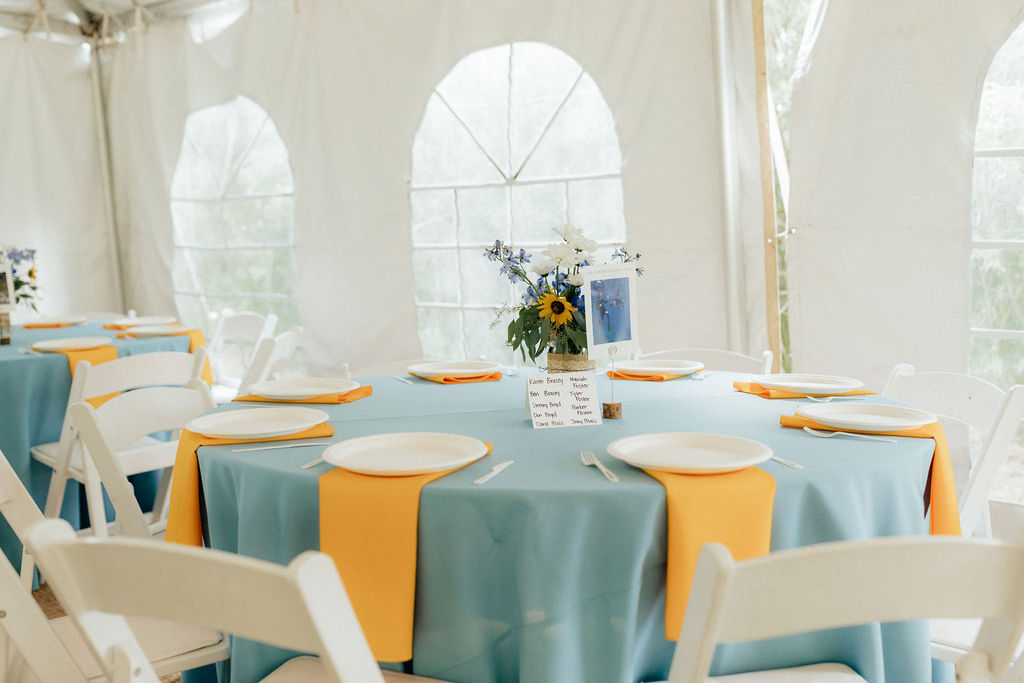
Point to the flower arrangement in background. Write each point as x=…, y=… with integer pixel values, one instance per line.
x=23, y=271
x=552, y=314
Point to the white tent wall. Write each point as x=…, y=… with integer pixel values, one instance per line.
x=882, y=139
x=51, y=191
x=346, y=84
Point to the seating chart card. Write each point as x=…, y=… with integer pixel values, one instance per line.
x=565, y=399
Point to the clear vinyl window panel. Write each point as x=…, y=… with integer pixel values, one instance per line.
x=514, y=140
x=233, y=208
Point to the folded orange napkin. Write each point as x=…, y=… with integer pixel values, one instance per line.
x=941, y=488
x=112, y=326
x=344, y=397
x=95, y=355
x=195, y=340
x=734, y=508
x=642, y=377
x=184, y=519
x=368, y=525
x=41, y=326
x=444, y=379
x=764, y=392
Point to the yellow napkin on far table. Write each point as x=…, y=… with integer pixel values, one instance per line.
x=184, y=520
x=941, y=489
x=642, y=377
x=368, y=524
x=764, y=392
x=42, y=326
x=444, y=379
x=344, y=397
x=195, y=340
x=732, y=508
x=95, y=356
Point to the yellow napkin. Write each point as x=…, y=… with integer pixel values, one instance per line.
x=444, y=379
x=642, y=377
x=368, y=525
x=95, y=356
x=941, y=489
x=764, y=392
x=195, y=340
x=344, y=397
x=184, y=520
x=734, y=508
x=41, y=326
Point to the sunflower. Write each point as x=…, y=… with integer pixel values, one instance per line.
x=558, y=308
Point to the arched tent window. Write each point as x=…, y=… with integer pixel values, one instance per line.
x=233, y=209
x=515, y=140
x=997, y=252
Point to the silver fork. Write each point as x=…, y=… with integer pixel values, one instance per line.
x=826, y=435
x=589, y=459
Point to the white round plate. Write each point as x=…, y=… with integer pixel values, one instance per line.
x=404, y=453
x=689, y=452
x=67, y=320
x=809, y=384
x=158, y=330
x=144, y=320
x=660, y=367
x=256, y=423
x=301, y=387
x=469, y=368
x=70, y=344
x=869, y=417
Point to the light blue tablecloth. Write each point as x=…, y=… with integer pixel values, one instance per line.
x=35, y=394
x=551, y=573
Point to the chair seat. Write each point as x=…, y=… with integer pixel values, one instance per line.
x=163, y=642
x=307, y=669
x=814, y=673
x=142, y=455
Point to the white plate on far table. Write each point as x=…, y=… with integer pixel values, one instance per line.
x=405, y=453
x=70, y=344
x=809, y=384
x=660, y=367
x=257, y=423
x=158, y=330
x=298, y=388
x=144, y=320
x=689, y=452
x=868, y=417
x=443, y=368
x=66, y=320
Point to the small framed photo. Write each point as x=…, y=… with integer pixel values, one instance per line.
x=610, y=298
x=6, y=288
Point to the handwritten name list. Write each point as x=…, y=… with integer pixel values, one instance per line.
x=567, y=399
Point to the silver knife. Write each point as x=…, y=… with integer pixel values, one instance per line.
x=494, y=471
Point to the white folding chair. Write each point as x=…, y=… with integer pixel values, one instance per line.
x=107, y=430
x=271, y=358
x=833, y=585
x=300, y=607
x=719, y=359
x=66, y=458
x=53, y=649
x=232, y=344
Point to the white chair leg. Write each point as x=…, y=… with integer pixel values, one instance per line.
x=162, y=498
x=55, y=494
x=94, y=501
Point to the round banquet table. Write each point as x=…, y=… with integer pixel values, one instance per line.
x=35, y=398
x=549, y=572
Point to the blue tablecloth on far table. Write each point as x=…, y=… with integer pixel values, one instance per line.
x=551, y=573
x=35, y=395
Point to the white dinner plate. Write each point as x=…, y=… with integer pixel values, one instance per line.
x=470, y=368
x=660, y=367
x=689, y=452
x=301, y=387
x=404, y=453
x=66, y=320
x=70, y=344
x=869, y=417
x=144, y=320
x=809, y=384
x=257, y=423
x=158, y=330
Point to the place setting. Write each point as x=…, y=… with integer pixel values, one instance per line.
x=141, y=321
x=456, y=372
x=323, y=390
x=93, y=349
x=655, y=370
x=822, y=388
x=54, y=322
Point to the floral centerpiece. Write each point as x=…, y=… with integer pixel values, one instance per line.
x=552, y=315
x=23, y=272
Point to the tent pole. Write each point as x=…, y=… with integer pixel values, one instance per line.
x=103, y=142
x=771, y=265
x=730, y=173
